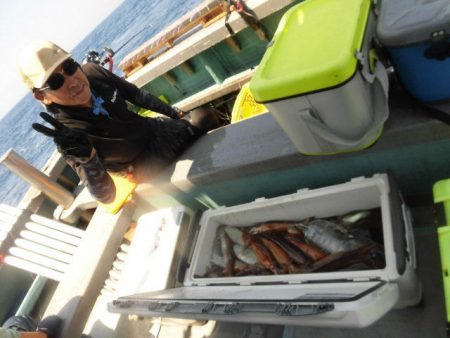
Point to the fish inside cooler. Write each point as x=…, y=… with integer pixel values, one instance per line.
x=332, y=233
x=353, y=241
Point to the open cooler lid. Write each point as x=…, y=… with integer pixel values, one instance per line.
x=313, y=49
x=158, y=237
x=265, y=303
x=405, y=22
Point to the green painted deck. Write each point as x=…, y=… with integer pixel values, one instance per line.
x=215, y=64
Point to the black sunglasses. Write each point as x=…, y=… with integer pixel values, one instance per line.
x=56, y=80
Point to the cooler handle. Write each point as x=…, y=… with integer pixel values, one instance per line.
x=440, y=47
x=320, y=129
x=222, y=308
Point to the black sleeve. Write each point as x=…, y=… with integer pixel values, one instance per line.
x=146, y=100
x=97, y=180
x=129, y=91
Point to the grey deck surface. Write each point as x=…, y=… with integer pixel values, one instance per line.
x=255, y=158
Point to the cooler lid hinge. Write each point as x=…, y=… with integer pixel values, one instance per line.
x=364, y=64
x=122, y=304
x=375, y=7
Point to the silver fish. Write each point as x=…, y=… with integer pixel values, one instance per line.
x=217, y=257
x=329, y=237
x=235, y=234
x=245, y=254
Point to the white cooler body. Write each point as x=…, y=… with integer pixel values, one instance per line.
x=328, y=112
x=338, y=298
x=346, y=118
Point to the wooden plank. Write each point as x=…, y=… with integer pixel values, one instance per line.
x=202, y=40
x=232, y=84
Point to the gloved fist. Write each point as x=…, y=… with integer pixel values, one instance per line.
x=72, y=143
x=179, y=112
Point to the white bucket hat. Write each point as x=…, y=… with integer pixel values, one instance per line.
x=38, y=61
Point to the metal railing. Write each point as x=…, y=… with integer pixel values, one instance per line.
x=19, y=166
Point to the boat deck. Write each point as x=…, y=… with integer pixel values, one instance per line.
x=254, y=158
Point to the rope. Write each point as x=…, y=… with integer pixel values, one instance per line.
x=247, y=15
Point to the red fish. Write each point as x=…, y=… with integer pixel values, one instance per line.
x=310, y=250
x=278, y=253
x=264, y=256
x=279, y=226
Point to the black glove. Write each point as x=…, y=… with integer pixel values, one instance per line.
x=72, y=143
x=50, y=325
x=178, y=113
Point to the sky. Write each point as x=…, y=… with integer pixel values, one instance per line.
x=62, y=21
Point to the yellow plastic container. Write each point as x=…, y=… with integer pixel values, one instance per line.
x=150, y=113
x=124, y=189
x=444, y=248
x=245, y=105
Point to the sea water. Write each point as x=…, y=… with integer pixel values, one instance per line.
x=120, y=29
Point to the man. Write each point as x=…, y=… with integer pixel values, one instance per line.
x=23, y=326
x=93, y=128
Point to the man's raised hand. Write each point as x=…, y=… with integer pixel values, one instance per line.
x=72, y=143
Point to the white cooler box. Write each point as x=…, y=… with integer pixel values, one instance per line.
x=344, y=298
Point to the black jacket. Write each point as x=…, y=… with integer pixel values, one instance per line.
x=124, y=138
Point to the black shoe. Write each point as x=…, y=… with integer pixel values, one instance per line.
x=50, y=325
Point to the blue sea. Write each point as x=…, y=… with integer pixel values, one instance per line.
x=120, y=29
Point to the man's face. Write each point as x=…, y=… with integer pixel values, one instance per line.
x=74, y=92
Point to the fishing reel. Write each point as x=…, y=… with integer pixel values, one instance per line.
x=92, y=56
x=103, y=58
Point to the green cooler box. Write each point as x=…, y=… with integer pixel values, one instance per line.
x=320, y=77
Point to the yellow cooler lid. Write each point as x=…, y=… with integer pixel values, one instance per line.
x=313, y=49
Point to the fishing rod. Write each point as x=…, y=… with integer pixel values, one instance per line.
x=136, y=34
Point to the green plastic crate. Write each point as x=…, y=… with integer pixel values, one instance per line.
x=441, y=193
